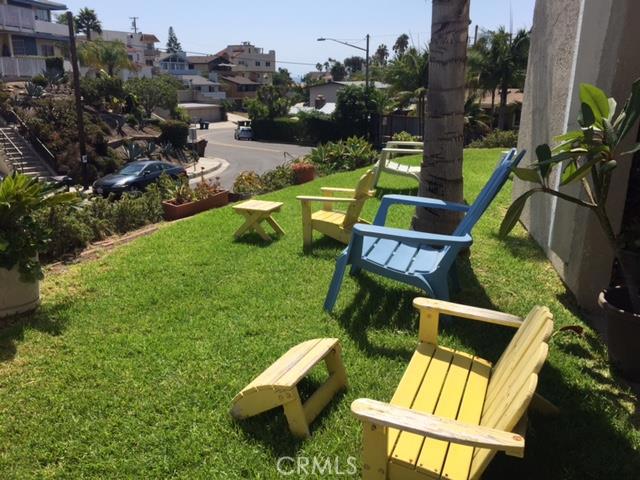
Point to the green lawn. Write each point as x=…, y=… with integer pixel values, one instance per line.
x=129, y=367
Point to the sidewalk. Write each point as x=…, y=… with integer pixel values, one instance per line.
x=206, y=166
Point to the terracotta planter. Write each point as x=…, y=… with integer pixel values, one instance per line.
x=17, y=296
x=175, y=212
x=304, y=173
x=623, y=332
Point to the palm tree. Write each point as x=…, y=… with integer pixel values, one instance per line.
x=408, y=75
x=499, y=61
x=401, y=45
x=87, y=21
x=107, y=56
x=381, y=55
x=441, y=169
x=476, y=121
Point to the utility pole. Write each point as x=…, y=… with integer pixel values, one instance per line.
x=134, y=24
x=79, y=109
x=366, y=64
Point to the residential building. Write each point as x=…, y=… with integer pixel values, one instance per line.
x=491, y=104
x=200, y=90
x=574, y=42
x=141, y=48
x=329, y=91
x=176, y=64
x=238, y=87
x=251, y=62
x=28, y=36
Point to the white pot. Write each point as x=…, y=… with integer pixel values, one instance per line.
x=17, y=296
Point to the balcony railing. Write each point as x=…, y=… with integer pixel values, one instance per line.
x=21, y=19
x=51, y=28
x=21, y=67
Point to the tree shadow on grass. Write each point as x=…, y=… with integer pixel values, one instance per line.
x=271, y=429
x=521, y=248
x=324, y=248
x=49, y=320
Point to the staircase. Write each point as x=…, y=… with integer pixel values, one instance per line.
x=21, y=157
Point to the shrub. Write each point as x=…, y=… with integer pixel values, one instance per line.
x=248, y=182
x=354, y=109
x=40, y=80
x=497, y=139
x=355, y=152
x=280, y=177
x=278, y=129
x=404, y=137
x=175, y=132
x=316, y=127
x=180, y=114
x=54, y=64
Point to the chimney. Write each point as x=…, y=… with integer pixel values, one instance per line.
x=320, y=102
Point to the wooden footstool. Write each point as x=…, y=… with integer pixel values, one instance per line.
x=277, y=385
x=256, y=212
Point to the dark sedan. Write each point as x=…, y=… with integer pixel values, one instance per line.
x=136, y=176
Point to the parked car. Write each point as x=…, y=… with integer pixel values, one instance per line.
x=136, y=176
x=243, y=132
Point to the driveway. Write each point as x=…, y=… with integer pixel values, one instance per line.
x=244, y=154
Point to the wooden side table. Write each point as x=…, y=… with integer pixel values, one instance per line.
x=256, y=212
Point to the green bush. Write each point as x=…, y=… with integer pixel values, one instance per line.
x=278, y=129
x=497, y=139
x=40, y=80
x=54, y=64
x=248, y=182
x=355, y=152
x=404, y=137
x=280, y=177
x=175, y=132
x=316, y=128
x=181, y=114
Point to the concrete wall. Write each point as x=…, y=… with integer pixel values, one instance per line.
x=328, y=90
x=576, y=41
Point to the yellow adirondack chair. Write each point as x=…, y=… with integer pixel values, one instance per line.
x=452, y=411
x=333, y=223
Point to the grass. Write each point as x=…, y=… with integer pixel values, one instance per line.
x=129, y=367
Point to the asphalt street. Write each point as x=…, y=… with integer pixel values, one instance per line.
x=245, y=154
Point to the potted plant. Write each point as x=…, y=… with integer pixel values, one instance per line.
x=589, y=156
x=303, y=170
x=247, y=184
x=187, y=201
x=22, y=238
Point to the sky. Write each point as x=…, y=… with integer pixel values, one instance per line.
x=292, y=27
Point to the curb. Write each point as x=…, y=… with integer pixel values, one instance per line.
x=205, y=172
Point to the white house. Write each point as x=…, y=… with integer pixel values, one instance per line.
x=329, y=91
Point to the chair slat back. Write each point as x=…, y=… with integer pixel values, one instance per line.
x=514, y=378
x=489, y=192
x=362, y=193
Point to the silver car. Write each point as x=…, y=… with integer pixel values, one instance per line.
x=243, y=133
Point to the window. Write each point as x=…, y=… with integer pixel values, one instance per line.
x=149, y=63
x=44, y=15
x=47, y=50
x=257, y=63
x=267, y=63
x=24, y=45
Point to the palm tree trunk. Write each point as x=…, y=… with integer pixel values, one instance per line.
x=502, y=116
x=441, y=169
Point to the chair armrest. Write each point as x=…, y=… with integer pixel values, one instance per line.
x=432, y=426
x=304, y=198
x=411, y=236
x=465, y=311
x=425, y=202
x=337, y=189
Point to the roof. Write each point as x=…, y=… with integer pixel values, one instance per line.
x=149, y=37
x=196, y=80
x=514, y=95
x=202, y=58
x=240, y=80
x=44, y=4
x=179, y=55
x=328, y=108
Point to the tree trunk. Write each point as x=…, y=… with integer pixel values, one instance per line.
x=502, y=116
x=441, y=169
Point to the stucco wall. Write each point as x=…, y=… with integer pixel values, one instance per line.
x=575, y=41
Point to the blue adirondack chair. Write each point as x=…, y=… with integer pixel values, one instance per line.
x=416, y=258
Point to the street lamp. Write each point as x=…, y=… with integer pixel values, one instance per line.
x=366, y=61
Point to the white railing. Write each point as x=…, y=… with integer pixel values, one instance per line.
x=51, y=28
x=214, y=95
x=22, y=67
x=13, y=17
x=4, y=139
